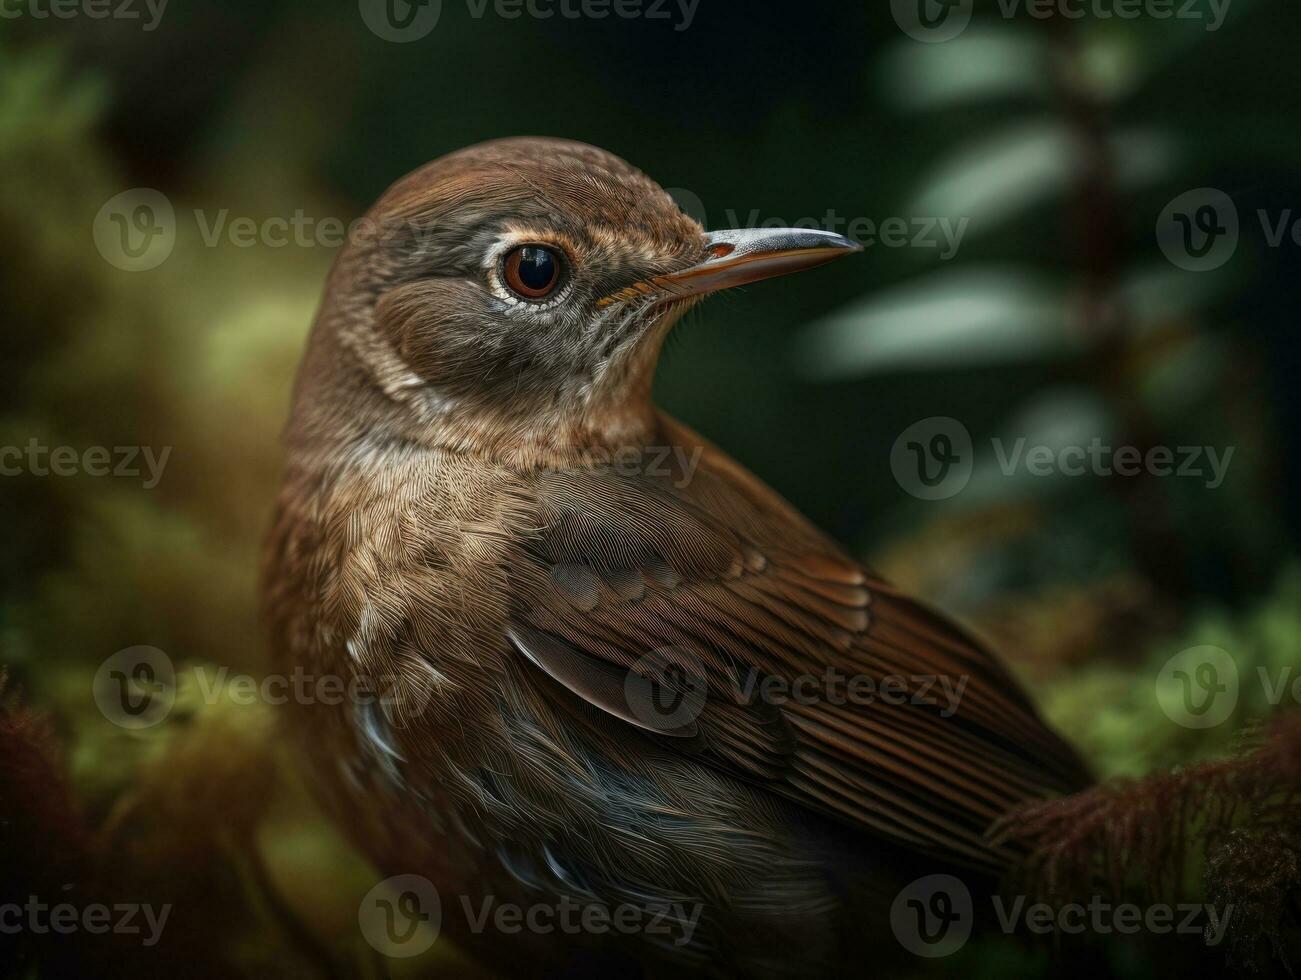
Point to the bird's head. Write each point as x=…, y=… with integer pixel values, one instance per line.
x=516, y=294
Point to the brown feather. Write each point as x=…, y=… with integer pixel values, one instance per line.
x=453, y=528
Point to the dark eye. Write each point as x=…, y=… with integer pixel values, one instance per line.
x=532, y=271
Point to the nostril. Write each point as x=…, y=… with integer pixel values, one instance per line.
x=721, y=250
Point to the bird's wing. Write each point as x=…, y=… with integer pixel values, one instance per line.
x=690, y=603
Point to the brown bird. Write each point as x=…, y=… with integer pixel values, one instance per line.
x=619, y=670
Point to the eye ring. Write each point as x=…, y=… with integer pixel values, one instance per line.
x=533, y=272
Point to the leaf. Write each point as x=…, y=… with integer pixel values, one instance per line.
x=979, y=65
x=994, y=180
x=944, y=320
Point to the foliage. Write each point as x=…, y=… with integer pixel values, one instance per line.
x=1035, y=330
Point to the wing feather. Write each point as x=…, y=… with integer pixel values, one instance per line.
x=623, y=566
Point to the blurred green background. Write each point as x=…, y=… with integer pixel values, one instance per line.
x=1055, y=144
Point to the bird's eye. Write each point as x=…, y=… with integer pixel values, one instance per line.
x=532, y=271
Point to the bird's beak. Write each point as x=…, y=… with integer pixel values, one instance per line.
x=743, y=256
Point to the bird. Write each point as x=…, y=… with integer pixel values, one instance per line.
x=597, y=648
